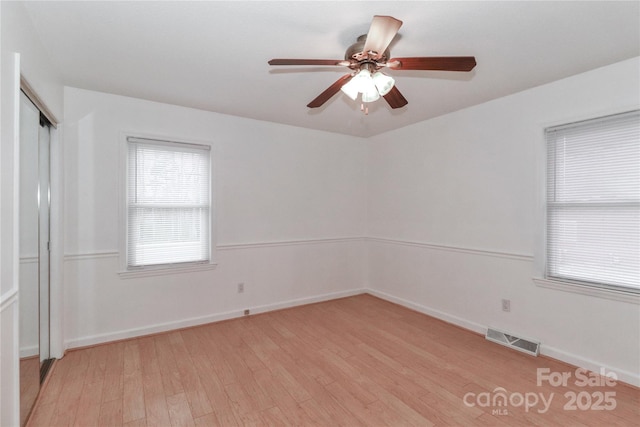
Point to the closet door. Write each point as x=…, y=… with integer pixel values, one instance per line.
x=44, y=203
x=34, y=252
x=29, y=287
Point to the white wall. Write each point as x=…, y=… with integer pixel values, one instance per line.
x=19, y=35
x=455, y=220
x=9, y=301
x=21, y=54
x=290, y=209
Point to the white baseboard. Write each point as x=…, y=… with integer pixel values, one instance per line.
x=202, y=320
x=29, y=351
x=572, y=359
x=305, y=301
x=458, y=321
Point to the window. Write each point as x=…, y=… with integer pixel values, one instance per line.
x=168, y=203
x=593, y=202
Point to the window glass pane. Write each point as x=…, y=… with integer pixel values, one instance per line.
x=168, y=212
x=596, y=162
x=594, y=244
x=593, y=201
x=167, y=176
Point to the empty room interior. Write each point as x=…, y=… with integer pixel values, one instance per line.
x=353, y=213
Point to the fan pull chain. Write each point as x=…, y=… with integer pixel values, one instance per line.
x=364, y=109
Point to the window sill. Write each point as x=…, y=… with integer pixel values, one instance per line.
x=162, y=271
x=612, y=294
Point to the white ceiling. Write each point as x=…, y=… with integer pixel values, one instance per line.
x=213, y=55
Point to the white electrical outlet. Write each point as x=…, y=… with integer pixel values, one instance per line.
x=506, y=305
x=240, y=288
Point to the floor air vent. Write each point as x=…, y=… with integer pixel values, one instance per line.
x=517, y=343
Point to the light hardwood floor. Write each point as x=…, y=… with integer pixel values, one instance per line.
x=29, y=385
x=358, y=361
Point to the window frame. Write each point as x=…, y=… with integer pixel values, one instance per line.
x=125, y=271
x=541, y=277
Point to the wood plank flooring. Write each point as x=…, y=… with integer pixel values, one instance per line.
x=357, y=361
x=29, y=385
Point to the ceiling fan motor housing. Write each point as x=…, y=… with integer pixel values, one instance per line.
x=356, y=52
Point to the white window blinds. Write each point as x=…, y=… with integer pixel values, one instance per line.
x=593, y=201
x=168, y=203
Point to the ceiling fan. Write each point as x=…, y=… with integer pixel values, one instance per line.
x=367, y=57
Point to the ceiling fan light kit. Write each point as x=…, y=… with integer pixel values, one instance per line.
x=371, y=87
x=367, y=56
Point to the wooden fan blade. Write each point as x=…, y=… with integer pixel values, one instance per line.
x=279, y=61
x=330, y=91
x=395, y=99
x=383, y=29
x=441, y=63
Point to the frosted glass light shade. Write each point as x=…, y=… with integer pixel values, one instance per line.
x=383, y=83
x=367, y=86
x=351, y=88
x=370, y=95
